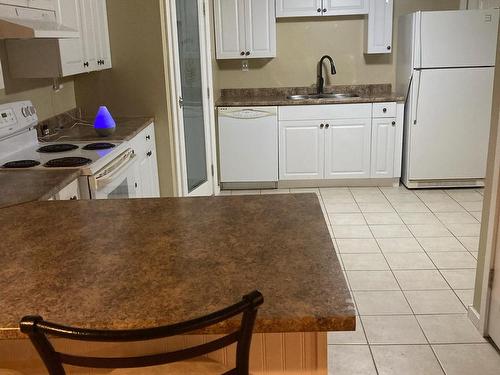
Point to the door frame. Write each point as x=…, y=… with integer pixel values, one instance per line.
x=211, y=186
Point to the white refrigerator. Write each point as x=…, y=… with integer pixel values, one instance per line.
x=445, y=69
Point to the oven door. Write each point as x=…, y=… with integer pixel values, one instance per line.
x=118, y=180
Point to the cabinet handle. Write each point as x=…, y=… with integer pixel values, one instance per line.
x=322, y=126
x=394, y=123
x=247, y=53
x=86, y=64
x=324, y=10
x=319, y=10
x=242, y=53
x=148, y=137
x=327, y=126
x=388, y=48
x=136, y=186
x=384, y=110
x=73, y=198
x=149, y=153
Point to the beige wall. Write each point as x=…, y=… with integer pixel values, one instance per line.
x=136, y=86
x=302, y=41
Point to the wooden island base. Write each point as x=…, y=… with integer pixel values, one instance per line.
x=298, y=353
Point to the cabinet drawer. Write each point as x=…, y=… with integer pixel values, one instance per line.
x=323, y=112
x=384, y=110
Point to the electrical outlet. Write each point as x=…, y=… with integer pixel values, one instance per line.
x=244, y=66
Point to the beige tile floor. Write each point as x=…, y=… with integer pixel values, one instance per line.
x=409, y=259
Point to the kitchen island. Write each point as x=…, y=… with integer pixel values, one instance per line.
x=136, y=263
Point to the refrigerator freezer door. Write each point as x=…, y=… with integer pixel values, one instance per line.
x=456, y=38
x=449, y=123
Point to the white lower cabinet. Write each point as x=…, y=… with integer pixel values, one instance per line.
x=302, y=146
x=144, y=146
x=344, y=141
x=383, y=147
x=347, y=149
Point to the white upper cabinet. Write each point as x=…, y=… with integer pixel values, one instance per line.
x=379, y=27
x=299, y=8
x=345, y=7
x=307, y=8
x=348, y=148
x=49, y=58
x=245, y=29
x=103, y=48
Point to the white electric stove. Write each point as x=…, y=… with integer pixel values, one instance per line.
x=108, y=168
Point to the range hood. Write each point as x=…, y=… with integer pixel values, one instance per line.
x=30, y=23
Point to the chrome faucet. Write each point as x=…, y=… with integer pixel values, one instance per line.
x=321, y=80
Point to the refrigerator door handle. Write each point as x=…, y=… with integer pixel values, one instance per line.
x=417, y=77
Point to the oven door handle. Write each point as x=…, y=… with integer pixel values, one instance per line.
x=105, y=177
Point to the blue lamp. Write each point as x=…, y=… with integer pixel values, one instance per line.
x=104, y=124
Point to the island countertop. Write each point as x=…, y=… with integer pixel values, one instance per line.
x=23, y=186
x=123, y=264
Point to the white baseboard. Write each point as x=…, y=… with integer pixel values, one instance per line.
x=474, y=317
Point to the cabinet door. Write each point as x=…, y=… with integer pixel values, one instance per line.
x=230, y=28
x=347, y=149
x=87, y=10
x=345, y=7
x=102, y=35
x=260, y=28
x=71, y=50
x=379, y=27
x=302, y=146
x=383, y=143
x=298, y=8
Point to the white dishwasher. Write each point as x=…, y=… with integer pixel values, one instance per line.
x=248, y=145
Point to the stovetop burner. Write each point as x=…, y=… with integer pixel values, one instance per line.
x=63, y=147
x=67, y=162
x=99, y=146
x=21, y=164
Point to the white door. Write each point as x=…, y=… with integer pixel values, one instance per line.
x=260, y=28
x=383, y=147
x=298, y=8
x=102, y=36
x=193, y=132
x=379, y=34
x=345, y=7
x=87, y=11
x=457, y=39
x=71, y=49
x=301, y=150
x=347, y=148
x=230, y=28
x=449, y=124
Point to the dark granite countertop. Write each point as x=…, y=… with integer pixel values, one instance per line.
x=120, y=264
x=126, y=129
x=23, y=186
x=278, y=96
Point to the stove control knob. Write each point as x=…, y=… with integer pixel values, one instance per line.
x=23, y=111
x=33, y=110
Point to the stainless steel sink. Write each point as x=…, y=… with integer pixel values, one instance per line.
x=323, y=96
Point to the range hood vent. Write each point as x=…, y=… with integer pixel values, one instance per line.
x=30, y=23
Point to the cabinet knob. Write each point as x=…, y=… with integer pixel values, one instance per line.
x=149, y=153
x=322, y=126
x=324, y=10
x=388, y=48
x=73, y=198
x=327, y=126
x=86, y=64
x=384, y=110
x=148, y=137
x=247, y=53
x=242, y=53
x=394, y=123
x=319, y=10
x=136, y=185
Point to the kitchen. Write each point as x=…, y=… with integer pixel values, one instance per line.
x=435, y=231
